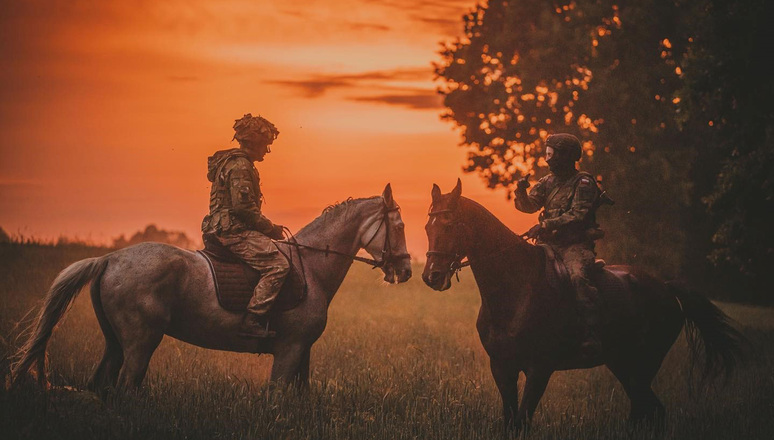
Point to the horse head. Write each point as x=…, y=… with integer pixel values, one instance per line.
x=387, y=242
x=446, y=238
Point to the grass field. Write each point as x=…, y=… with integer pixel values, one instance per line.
x=397, y=362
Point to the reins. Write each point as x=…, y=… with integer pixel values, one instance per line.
x=387, y=255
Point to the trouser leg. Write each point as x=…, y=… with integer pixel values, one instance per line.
x=266, y=291
x=577, y=259
x=258, y=251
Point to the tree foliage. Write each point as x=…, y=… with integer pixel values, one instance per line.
x=598, y=69
x=726, y=97
x=637, y=82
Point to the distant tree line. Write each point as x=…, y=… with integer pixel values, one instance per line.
x=153, y=233
x=673, y=102
x=150, y=233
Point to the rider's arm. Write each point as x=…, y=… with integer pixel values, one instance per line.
x=244, y=197
x=583, y=200
x=533, y=201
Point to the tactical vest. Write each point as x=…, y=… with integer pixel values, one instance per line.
x=221, y=218
x=560, y=200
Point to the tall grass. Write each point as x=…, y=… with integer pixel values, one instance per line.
x=397, y=362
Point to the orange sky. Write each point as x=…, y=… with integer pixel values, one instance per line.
x=109, y=109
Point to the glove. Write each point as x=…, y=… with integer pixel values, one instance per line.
x=276, y=233
x=523, y=183
x=534, y=232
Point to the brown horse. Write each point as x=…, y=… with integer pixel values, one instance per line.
x=526, y=325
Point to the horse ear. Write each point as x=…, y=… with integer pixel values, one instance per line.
x=436, y=192
x=457, y=191
x=387, y=195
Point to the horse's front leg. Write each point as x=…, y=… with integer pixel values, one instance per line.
x=302, y=374
x=534, y=387
x=506, y=376
x=289, y=360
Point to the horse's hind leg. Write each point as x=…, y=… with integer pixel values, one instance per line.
x=636, y=380
x=106, y=375
x=137, y=355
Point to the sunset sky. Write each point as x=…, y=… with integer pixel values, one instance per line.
x=109, y=110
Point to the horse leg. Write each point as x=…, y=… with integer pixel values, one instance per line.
x=137, y=355
x=636, y=380
x=288, y=363
x=506, y=377
x=302, y=375
x=106, y=375
x=534, y=387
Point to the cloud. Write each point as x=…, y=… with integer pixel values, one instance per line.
x=443, y=15
x=317, y=19
x=317, y=85
x=419, y=100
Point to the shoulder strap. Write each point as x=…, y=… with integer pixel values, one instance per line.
x=575, y=180
x=227, y=159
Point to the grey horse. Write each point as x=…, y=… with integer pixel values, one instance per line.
x=145, y=291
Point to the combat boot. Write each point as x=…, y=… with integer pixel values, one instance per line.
x=255, y=326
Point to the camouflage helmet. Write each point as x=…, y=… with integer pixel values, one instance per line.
x=565, y=144
x=250, y=127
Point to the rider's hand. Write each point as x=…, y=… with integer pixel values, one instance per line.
x=534, y=231
x=522, y=184
x=276, y=233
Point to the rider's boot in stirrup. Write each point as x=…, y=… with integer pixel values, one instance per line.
x=255, y=326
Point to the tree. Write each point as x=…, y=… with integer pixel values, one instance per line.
x=726, y=97
x=603, y=70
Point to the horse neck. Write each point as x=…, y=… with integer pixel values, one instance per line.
x=339, y=230
x=503, y=264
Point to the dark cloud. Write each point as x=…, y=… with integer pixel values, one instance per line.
x=317, y=85
x=419, y=100
x=352, y=25
x=444, y=15
x=367, y=27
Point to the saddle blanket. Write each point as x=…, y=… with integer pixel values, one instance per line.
x=235, y=282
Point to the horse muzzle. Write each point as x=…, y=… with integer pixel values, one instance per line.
x=437, y=280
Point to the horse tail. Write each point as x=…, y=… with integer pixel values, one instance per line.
x=60, y=296
x=709, y=330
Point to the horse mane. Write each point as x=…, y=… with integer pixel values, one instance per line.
x=341, y=211
x=493, y=223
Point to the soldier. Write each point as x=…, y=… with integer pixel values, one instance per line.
x=235, y=218
x=569, y=199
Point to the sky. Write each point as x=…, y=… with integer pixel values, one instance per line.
x=109, y=110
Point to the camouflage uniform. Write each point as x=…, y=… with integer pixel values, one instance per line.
x=236, y=221
x=569, y=226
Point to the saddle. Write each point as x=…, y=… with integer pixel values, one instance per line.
x=235, y=281
x=556, y=272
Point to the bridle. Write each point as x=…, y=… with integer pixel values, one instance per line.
x=387, y=255
x=457, y=264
